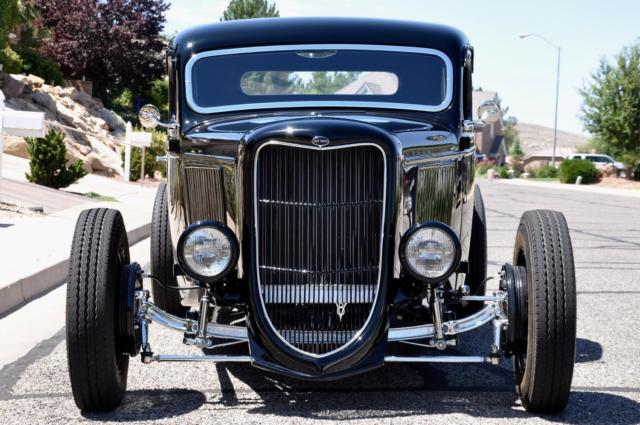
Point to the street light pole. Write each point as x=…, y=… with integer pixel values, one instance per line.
x=555, y=118
x=555, y=115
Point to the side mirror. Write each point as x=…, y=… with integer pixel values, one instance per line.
x=489, y=112
x=149, y=116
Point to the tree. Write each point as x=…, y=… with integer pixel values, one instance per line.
x=512, y=137
x=247, y=9
x=9, y=17
x=116, y=44
x=48, y=165
x=611, y=106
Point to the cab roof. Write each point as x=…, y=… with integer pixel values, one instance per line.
x=278, y=31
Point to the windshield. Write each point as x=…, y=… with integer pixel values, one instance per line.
x=296, y=76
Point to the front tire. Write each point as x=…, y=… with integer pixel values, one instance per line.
x=168, y=300
x=99, y=254
x=544, y=369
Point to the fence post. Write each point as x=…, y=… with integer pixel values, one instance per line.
x=1, y=134
x=127, y=152
x=142, y=165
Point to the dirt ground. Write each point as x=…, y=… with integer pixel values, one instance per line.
x=10, y=211
x=618, y=183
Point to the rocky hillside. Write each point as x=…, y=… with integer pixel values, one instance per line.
x=93, y=132
x=535, y=138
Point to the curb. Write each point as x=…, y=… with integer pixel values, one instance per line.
x=25, y=290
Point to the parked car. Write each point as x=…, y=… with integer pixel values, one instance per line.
x=598, y=159
x=321, y=213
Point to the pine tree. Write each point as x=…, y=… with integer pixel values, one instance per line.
x=48, y=164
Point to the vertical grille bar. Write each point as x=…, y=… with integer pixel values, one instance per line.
x=434, y=188
x=204, y=199
x=320, y=215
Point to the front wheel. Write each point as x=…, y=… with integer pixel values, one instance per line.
x=544, y=366
x=98, y=364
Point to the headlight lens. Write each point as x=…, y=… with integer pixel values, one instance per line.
x=207, y=250
x=430, y=252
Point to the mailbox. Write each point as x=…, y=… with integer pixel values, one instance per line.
x=22, y=124
x=139, y=139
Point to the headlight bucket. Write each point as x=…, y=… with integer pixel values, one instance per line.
x=207, y=251
x=430, y=252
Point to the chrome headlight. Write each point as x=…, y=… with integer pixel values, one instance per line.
x=430, y=251
x=207, y=250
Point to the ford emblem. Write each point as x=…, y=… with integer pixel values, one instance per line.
x=320, y=141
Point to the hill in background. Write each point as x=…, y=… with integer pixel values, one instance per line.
x=534, y=138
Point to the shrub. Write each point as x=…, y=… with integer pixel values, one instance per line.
x=547, y=172
x=636, y=172
x=502, y=171
x=45, y=68
x=151, y=165
x=11, y=61
x=48, y=164
x=570, y=169
x=483, y=167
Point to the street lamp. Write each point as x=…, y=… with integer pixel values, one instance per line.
x=555, y=119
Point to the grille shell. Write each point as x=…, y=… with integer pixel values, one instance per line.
x=320, y=215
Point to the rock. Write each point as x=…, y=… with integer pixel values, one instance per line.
x=33, y=80
x=45, y=100
x=112, y=119
x=20, y=104
x=11, y=86
x=16, y=146
x=84, y=99
x=66, y=115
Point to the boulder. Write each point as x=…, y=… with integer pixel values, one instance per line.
x=16, y=146
x=45, y=100
x=11, y=86
x=112, y=119
x=84, y=99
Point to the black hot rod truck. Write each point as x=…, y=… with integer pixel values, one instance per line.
x=320, y=212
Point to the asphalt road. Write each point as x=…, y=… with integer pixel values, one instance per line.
x=606, y=385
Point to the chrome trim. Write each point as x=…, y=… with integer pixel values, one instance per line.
x=159, y=316
x=188, y=81
x=210, y=358
x=493, y=310
x=438, y=359
x=292, y=294
x=382, y=237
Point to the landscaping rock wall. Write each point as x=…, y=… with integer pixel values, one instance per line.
x=93, y=133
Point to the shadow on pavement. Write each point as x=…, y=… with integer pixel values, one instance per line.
x=404, y=391
x=587, y=350
x=150, y=405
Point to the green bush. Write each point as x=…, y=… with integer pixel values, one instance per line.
x=570, y=169
x=483, y=167
x=547, y=172
x=45, y=68
x=502, y=171
x=48, y=164
x=11, y=61
x=158, y=148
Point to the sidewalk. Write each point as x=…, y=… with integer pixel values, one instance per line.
x=34, y=251
x=631, y=193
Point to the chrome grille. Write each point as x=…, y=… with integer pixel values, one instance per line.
x=434, y=200
x=319, y=220
x=204, y=190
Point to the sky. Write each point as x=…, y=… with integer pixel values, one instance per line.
x=522, y=71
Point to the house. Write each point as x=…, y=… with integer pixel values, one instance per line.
x=543, y=157
x=489, y=138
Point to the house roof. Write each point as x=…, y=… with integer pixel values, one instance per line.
x=372, y=83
